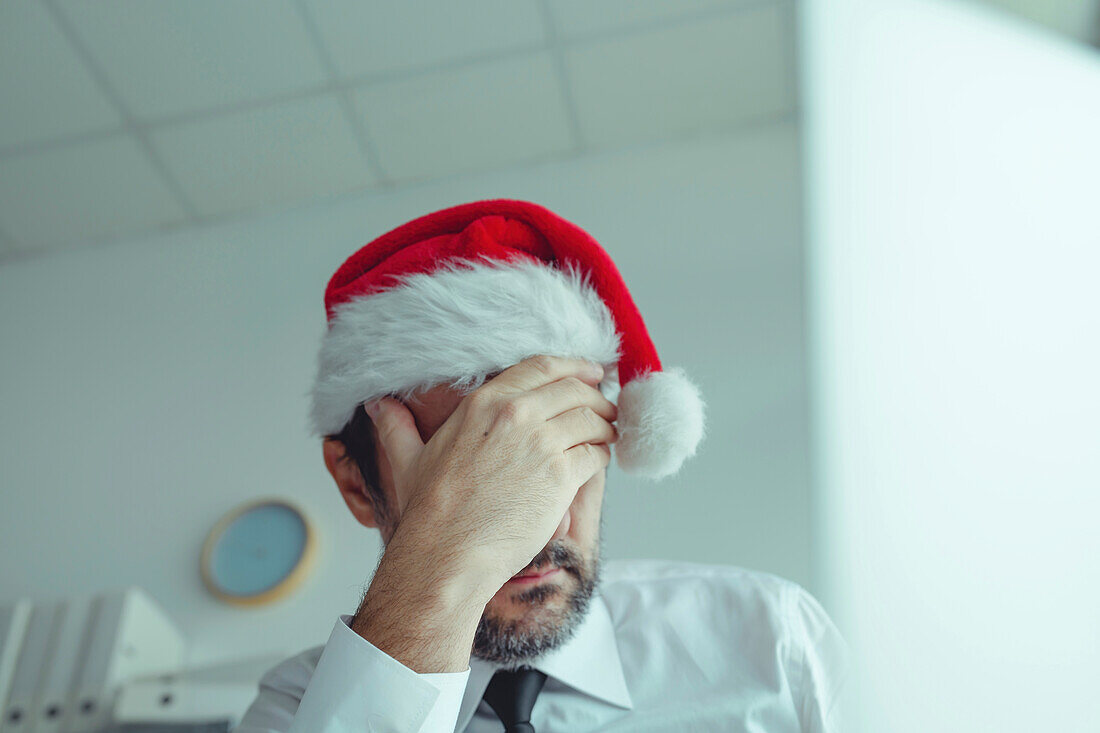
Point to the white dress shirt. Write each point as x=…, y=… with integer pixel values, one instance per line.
x=665, y=646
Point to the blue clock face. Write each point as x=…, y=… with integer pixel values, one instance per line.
x=258, y=550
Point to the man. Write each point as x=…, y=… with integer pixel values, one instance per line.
x=467, y=391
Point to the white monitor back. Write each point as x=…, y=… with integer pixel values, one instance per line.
x=953, y=161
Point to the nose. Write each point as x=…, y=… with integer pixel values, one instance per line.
x=563, y=526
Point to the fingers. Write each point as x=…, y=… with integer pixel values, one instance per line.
x=558, y=397
x=536, y=371
x=581, y=425
x=586, y=459
x=397, y=431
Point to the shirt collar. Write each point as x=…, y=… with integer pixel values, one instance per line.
x=588, y=662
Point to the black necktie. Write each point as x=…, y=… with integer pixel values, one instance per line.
x=511, y=695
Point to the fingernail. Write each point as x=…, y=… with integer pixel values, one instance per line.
x=372, y=408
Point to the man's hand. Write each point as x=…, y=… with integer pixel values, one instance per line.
x=492, y=484
x=478, y=501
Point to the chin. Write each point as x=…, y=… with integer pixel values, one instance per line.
x=526, y=618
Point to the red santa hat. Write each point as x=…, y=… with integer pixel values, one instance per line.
x=459, y=294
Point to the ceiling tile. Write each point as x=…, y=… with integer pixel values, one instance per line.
x=80, y=192
x=475, y=118
x=46, y=91
x=293, y=151
x=166, y=58
x=372, y=37
x=690, y=78
x=580, y=17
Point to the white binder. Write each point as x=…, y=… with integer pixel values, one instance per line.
x=131, y=637
x=219, y=692
x=174, y=700
x=14, y=619
x=30, y=668
x=91, y=703
x=54, y=707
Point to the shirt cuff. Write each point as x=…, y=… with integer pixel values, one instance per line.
x=358, y=687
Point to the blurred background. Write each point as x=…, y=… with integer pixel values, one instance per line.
x=867, y=230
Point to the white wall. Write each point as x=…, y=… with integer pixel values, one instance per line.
x=150, y=386
x=952, y=176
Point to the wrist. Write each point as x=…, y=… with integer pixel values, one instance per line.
x=425, y=637
x=422, y=612
x=424, y=553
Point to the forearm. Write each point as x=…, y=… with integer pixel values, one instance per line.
x=421, y=609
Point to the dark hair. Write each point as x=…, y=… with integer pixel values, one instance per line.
x=358, y=440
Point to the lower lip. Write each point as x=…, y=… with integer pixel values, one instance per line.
x=529, y=579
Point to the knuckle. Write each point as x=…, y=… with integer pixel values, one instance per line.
x=509, y=412
x=590, y=417
x=599, y=455
x=542, y=364
x=576, y=386
x=558, y=467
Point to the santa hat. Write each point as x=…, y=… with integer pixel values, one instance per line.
x=459, y=294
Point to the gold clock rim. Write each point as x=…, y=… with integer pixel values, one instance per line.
x=281, y=589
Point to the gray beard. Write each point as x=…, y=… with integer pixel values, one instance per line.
x=507, y=643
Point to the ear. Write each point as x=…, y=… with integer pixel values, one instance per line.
x=345, y=472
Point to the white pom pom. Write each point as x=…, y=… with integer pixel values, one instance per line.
x=660, y=423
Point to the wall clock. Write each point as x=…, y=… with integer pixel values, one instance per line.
x=258, y=553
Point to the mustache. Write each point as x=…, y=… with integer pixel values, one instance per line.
x=559, y=554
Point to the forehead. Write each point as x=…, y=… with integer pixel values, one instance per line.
x=438, y=402
x=431, y=407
